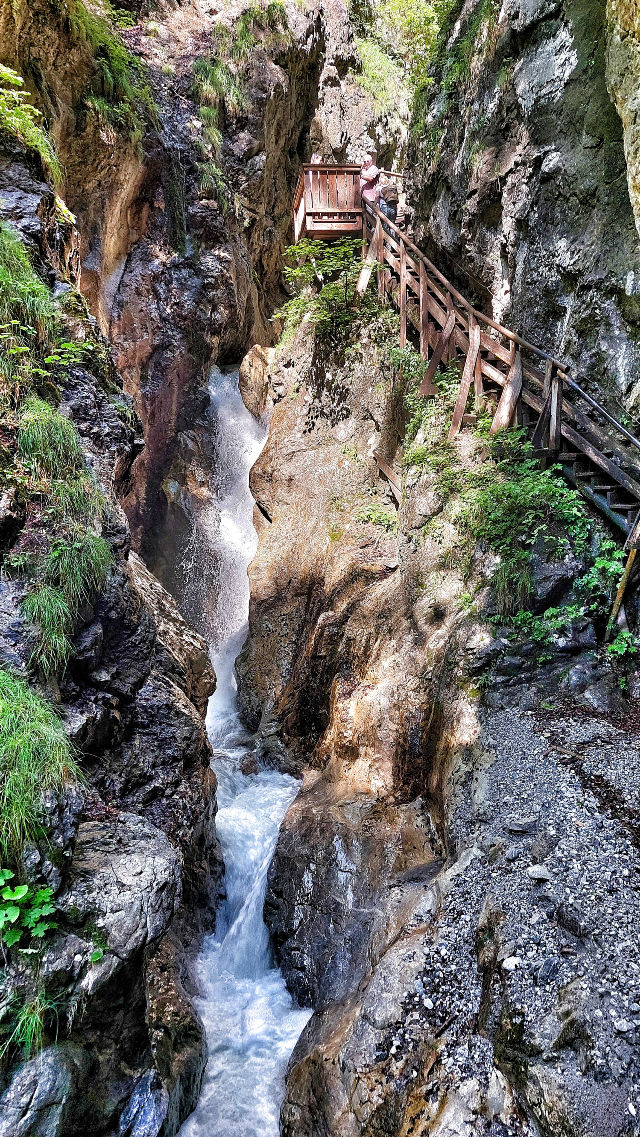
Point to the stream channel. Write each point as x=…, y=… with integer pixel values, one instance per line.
x=251, y=1024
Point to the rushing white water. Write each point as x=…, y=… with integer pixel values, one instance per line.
x=247, y=1011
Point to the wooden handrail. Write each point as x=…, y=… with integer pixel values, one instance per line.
x=561, y=367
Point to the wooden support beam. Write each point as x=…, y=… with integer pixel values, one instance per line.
x=540, y=440
x=451, y=346
x=555, y=413
x=390, y=475
x=467, y=375
x=622, y=587
x=369, y=261
x=510, y=395
x=548, y=372
x=403, y=295
x=380, y=260
x=443, y=340
x=478, y=388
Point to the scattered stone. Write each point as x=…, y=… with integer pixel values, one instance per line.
x=622, y=1026
x=539, y=872
x=522, y=824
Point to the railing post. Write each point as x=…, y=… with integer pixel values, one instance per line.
x=555, y=414
x=424, y=313
x=403, y=294
x=380, y=260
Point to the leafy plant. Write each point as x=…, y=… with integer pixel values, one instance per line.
x=35, y=756
x=19, y=119
x=24, y=911
x=623, y=645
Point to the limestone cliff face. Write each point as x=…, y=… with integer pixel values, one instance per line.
x=623, y=75
x=520, y=177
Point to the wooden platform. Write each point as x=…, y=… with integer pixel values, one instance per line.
x=327, y=203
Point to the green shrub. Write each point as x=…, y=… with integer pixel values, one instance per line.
x=35, y=755
x=214, y=83
x=19, y=119
x=325, y=274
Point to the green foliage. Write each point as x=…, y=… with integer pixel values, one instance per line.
x=24, y=911
x=270, y=18
x=215, y=84
x=214, y=183
x=24, y=297
x=623, y=646
x=324, y=275
x=64, y=575
x=381, y=75
x=35, y=756
x=48, y=609
x=376, y=513
x=415, y=25
x=123, y=97
x=19, y=119
x=47, y=441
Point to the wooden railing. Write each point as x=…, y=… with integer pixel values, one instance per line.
x=327, y=202
x=513, y=379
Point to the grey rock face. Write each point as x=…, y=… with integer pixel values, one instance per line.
x=526, y=187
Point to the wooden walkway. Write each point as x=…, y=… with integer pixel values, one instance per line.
x=503, y=374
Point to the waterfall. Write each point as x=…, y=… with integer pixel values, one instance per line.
x=250, y=1022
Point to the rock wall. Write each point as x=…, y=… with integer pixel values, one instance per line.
x=434, y=891
x=623, y=66
x=132, y=856
x=521, y=182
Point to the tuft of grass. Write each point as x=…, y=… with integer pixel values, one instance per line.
x=24, y=297
x=48, y=609
x=381, y=75
x=47, y=440
x=30, y=1023
x=19, y=119
x=214, y=83
x=35, y=756
x=213, y=183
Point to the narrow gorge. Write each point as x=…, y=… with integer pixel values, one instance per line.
x=319, y=613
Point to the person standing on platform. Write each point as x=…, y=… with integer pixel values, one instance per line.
x=369, y=180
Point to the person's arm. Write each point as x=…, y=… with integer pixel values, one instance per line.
x=370, y=175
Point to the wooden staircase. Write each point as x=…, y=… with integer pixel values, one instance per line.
x=512, y=379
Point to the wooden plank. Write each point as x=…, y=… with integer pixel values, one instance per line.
x=390, y=474
x=555, y=413
x=465, y=383
x=403, y=296
x=449, y=352
x=438, y=353
x=308, y=192
x=379, y=258
x=349, y=185
x=510, y=395
x=333, y=191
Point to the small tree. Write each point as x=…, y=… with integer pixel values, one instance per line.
x=324, y=278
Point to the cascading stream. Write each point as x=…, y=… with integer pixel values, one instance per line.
x=250, y=1022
